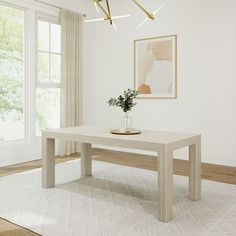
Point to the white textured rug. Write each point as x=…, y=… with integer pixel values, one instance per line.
x=117, y=200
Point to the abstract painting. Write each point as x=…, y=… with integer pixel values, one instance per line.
x=155, y=63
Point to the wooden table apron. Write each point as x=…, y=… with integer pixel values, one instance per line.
x=165, y=163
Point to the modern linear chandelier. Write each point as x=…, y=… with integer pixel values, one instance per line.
x=105, y=8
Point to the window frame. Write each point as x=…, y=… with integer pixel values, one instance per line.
x=44, y=85
x=51, y=20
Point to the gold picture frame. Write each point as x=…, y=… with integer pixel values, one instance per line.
x=155, y=67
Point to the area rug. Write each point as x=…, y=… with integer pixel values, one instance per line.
x=8, y=228
x=117, y=200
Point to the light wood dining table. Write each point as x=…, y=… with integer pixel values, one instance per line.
x=161, y=142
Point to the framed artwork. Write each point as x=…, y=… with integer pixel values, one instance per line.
x=155, y=67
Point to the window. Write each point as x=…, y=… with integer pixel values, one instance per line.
x=48, y=75
x=12, y=76
x=29, y=76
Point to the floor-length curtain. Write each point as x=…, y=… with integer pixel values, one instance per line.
x=70, y=76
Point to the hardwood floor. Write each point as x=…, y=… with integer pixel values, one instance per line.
x=213, y=172
x=8, y=228
x=219, y=173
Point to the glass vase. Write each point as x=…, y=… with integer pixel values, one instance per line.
x=127, y=123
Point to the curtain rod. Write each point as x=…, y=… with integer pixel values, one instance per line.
x=47, y=4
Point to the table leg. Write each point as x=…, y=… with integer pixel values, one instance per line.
x=48, y=165
x=165, y=184
x=86, y=159
x=195, y=171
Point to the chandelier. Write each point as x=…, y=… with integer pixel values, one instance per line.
x=104, y=6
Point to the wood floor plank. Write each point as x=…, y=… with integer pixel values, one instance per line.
x=8, y=228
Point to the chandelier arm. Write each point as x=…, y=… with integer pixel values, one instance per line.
x=114, y=25
x=158, y=9
x=150, y=15
x=95, y=5
x=109, y=11
x=94, y=20
x=103, y=10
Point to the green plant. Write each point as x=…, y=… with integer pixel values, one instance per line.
x=125, y=102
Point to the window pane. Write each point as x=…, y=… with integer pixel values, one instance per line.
x=55, y=68
x=43, y=35
x=11, y=73
x=47, y=109
x=55, y=38
x=43, y=67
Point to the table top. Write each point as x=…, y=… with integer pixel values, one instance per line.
x=97, y=135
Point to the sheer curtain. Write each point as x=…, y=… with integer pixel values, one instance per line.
x=70, y=76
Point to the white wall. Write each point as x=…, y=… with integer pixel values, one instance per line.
x=206, y=103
